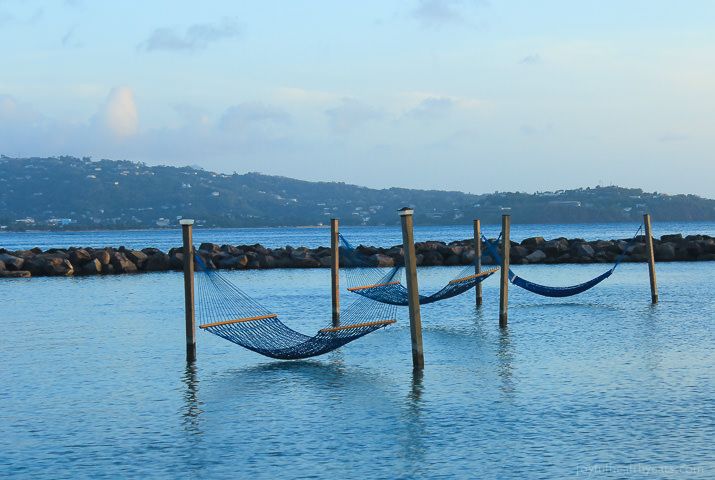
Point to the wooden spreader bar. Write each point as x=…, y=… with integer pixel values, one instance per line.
x=476, y=275
x=365, y=287
x=357, y=325
x=238, y=320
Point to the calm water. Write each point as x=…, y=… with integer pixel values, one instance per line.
x=314, y=237
x=599, y=386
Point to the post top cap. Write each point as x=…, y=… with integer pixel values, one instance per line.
x=186, y=221
x=406, y=211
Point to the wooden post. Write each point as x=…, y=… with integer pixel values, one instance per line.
x=335, y=270
x=186, y=227
x=413, y=294
x=504, y=285
x=651, y=258
x=478, y=258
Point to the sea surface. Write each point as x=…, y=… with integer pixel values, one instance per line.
x=383, y=236
x=602, y=385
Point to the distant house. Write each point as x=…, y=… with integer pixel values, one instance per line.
x=60, y=221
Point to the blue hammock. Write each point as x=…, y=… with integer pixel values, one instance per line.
x=389, y=289
x=224, y=310
x=394, y=293
x=549, y=291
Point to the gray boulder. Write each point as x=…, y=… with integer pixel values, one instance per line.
x=92, y=267
x=380, y=260
x=533, y=243
x=122, y=264
x=232, y=263
x=15, y=274
x=674, y=238
x=452, y=260
x=518, y=253
x=49, y=265
x=79, y=257
x=158, y=262
x=209, y=247
x=694, y=249
x=12, y=263
x=137, y=257
x=665, y=252
x=103, y=256
x=301, y=258
x=581, y=250
x=556, y=247
x=176, y=260
x=537, y=256
x=467, y=257
x=432, y=258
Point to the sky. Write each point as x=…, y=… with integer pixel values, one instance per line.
x=469, y=95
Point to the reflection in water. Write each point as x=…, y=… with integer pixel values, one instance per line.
x=310, y=371
x=650, y=339
x=505, y=359
x=413, y=446
x=479, y=321
x=191, y=410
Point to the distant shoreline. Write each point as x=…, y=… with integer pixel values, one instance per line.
x=277, y=227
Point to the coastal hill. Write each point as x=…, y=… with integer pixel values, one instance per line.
x=78, y=193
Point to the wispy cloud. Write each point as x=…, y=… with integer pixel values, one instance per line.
x=70, y=40
x=434, y=13
x=195, y=37
x=531, y=59
x=672, y=137
x=432, y=107
x=250, y=114
x=5, y=17
x=351, y=114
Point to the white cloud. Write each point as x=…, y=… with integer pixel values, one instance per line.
x=13, y=112
x=118, y=115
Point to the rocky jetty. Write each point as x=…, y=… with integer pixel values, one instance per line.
x=107, y=261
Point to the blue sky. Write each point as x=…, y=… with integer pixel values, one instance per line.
x=469, y=95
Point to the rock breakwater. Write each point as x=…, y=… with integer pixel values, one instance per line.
x=535, y=250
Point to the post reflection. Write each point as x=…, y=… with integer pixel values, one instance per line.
x=413, y=445
x=191, y=407
x=505, y=359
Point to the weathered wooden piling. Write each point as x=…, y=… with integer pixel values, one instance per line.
x=504, y=284
x=478, y=259
x=651, y=258
x=413, y=294
x=335, y=270
x=188, y=250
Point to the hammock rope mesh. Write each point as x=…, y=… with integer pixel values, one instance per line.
x=376, y=284
x=226, y=311
x=556, y=292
